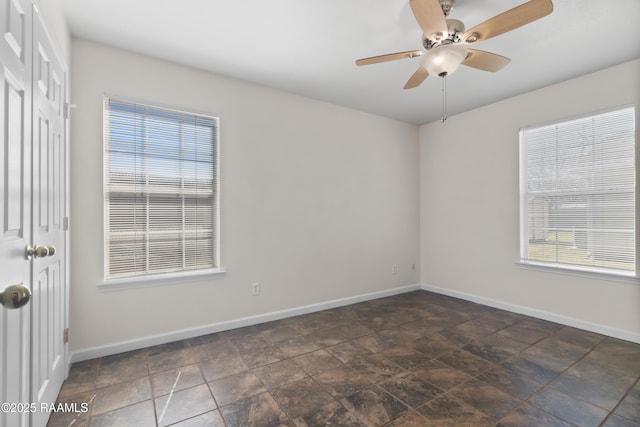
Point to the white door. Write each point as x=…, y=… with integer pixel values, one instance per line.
x=15, y=215
x=48, y=352
x=32, y=352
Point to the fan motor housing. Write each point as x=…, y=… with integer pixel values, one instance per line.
x=455, y=29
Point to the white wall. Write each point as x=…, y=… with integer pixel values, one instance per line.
x=318, y=201
x=470, y=206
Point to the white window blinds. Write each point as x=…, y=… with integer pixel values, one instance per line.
x=577, y=188
x=160, y=188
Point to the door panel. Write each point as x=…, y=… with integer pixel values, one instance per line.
x=14, y=102
x=47, y=349
x=41, y=172
x=16, y=26
x=15, y=215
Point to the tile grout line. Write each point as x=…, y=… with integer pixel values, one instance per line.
x=610, y=414
x=494, y=365
x=548, y=384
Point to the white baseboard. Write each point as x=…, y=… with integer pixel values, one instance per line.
x=540, y=314
x=147, y=341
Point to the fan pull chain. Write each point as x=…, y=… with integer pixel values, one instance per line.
x=444, y=99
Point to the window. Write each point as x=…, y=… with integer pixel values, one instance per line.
x=160, y=189
x=577, y=191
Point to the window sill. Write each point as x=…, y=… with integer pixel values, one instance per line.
x=160, y=279
x=580, y=272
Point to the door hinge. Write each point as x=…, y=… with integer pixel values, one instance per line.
x=65, y=338
x=67, y=109
x=65, y=223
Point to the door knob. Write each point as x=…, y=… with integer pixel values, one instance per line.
x=37, y=252
x=51, y=249
x=15, y=296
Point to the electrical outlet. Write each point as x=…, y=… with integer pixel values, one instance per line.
x=394, y=268
x=255, y=288
x=413, y=267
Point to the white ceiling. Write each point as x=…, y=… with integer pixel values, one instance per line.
x=309, y=47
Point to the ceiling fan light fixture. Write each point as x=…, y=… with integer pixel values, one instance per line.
x=444, y=59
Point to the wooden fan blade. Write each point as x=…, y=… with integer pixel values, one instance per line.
x=509, y=20
x=389, y=57
x=485, y=61
x=429, y=15
x=417, y=78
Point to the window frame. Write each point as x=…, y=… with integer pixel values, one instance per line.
x=575, y=269
x=164, y=278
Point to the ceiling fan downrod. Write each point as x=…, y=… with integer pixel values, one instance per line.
x=447, y=6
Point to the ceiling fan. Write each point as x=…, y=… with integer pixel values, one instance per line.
x=447, y=43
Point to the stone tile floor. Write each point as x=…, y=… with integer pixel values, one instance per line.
x=416, y=359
